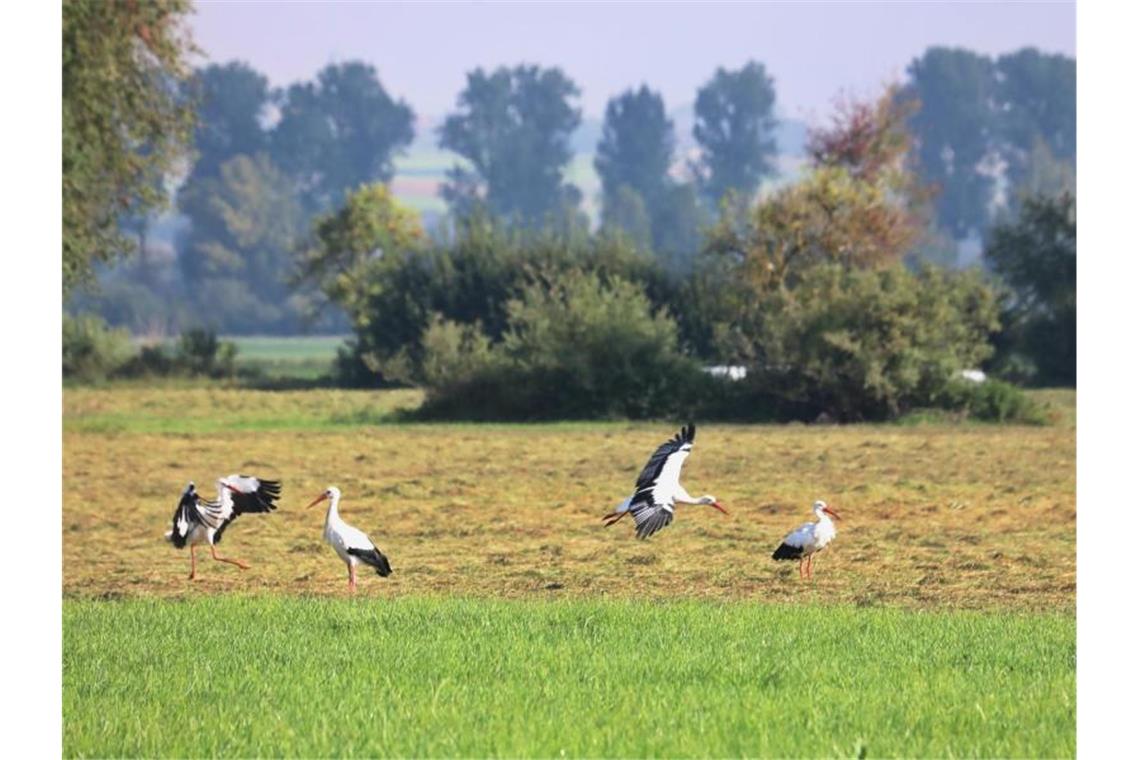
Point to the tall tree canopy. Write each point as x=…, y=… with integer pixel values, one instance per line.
x=734, y=127
x=633, y=161
x=513, y=127
x=1036, y=255
x=954, y=129
x=232, y=102
x=339, y=133
x=636, y=148
x=237, y=255
x=125, y=120
x=1037, y=103
x=980, y=118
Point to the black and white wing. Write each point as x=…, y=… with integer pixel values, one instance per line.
x=250, y=494
x=239, y=494
x=660, y=480
x=186, y=517
x=191, y=512
x=795, y=543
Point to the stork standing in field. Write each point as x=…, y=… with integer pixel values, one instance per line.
x=350, y=544
x=659, y=489
x=808, y=539
x=197, y=521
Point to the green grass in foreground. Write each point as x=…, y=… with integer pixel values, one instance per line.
x=248, y=676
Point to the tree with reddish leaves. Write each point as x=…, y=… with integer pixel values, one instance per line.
x=860, y=205
x=867, y=138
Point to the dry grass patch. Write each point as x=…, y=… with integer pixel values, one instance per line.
x=935, y=516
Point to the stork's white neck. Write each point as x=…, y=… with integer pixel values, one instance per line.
x=825, y=527
x=332, y=515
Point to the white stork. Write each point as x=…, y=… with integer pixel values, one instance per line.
x=197, y=521
x=811, y=537
x=659, y=488
x=351, y=544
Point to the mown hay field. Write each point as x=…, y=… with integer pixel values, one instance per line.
x=935, y=516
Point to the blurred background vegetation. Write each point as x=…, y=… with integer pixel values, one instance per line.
x=851, y=270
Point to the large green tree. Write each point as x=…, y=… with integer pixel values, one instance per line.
x=233, y=100
x=639, y=197
x=513, y=127
x=126, y=120
x=339, y=132
x=636, y=149
x=954, y=129
x=1036, y=255
x=735, y=129
x=238, y=252
x=1036, y=99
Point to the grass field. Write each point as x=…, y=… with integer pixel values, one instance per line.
x=301, y=357
x=466, y=678
x=935, y=516
x=516, y=624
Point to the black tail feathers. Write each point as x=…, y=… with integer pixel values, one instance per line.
x=375, y=558
x=786, y=551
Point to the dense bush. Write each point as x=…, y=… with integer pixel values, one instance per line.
x=575, y=345
x=391, y=281
x=992, y=401
x=807, y=289
x=1036, y=256
x=92, y=351
x=198, y=353
x=858, y=344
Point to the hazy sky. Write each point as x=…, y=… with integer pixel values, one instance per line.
x=812, y=50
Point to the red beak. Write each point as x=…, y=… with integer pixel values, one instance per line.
x=830, y=511
x=716, y=505
x=318, y=500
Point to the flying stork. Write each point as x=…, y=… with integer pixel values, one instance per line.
x=811, y=537
x=659, y=488
x=350, y=544
x=198, y=521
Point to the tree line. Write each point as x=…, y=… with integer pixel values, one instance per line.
x=287, y=211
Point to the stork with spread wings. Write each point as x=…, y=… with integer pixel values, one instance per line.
x=199, y=521
x=659, y=488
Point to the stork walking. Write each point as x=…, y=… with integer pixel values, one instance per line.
x=198, y=521
x=659, y=489
x=810, y=538
x=351, y=544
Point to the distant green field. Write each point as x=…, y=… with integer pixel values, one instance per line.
x=290, y=348
x=427, y=677
x=304, y=357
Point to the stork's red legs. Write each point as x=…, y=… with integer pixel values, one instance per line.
x=351, y=577
x=801, y=568
x=613, y=517
x=193, y=563
x=809, y=564
x=238, y=562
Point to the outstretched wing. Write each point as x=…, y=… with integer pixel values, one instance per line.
x=250, y=494
x=650, y=518
x=652, y=502
x=192, y=512
x=186, y=516
x=239, y=494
